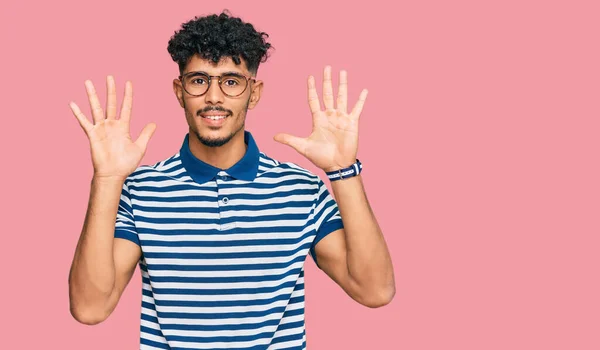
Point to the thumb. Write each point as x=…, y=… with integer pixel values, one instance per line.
x=297, y=143
x=145, y=135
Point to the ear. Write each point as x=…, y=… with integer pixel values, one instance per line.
x=257, y=87
x=178, y=90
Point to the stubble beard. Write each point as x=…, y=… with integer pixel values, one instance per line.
x=218, y=142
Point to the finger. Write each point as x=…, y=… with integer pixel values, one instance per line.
x=97, y=111
x=327, y=89
x=127, y=103
x=313, y=98
x=358, y=107
x=145, y=135
x=297, y=143
x=111, y=98
x=342, y=99
x=82, y=119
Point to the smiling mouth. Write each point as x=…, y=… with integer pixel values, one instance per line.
x=214, y=117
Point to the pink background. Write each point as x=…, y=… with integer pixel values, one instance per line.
x=479, y=139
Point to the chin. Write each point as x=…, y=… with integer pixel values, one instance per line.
x=216, y=137
x=214, y=140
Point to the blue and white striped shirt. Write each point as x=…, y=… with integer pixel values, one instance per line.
x=223, y=251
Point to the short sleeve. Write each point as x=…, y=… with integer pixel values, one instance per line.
x=326, y=218
x=125, y=223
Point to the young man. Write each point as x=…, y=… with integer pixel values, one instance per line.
x=220, y=230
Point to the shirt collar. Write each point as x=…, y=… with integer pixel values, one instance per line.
x=245, y=169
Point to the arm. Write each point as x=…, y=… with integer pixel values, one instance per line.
x=102, y=265
x=355, y=257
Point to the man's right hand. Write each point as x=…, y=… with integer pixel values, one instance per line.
x=114, y=154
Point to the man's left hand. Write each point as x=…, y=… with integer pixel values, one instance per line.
x=333, y=143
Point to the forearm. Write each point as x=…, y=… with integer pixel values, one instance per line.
x=368, y=259
x=92, y=276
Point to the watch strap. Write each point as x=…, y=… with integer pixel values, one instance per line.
x=352, y=170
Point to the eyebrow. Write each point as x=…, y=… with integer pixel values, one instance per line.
x=223, y=73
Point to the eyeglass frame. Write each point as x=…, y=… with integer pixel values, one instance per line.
x=247, y=77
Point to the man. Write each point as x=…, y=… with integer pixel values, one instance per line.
x=220, y=230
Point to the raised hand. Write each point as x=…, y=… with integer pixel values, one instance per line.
x=333, y=143
x=114, y=154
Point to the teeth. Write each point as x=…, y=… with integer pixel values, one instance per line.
x=215, y=117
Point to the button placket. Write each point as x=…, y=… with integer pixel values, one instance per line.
x=223, y=201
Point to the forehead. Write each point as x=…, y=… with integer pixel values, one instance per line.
x=226, y=64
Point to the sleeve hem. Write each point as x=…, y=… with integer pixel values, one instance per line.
x=128, y=235
x=324, y=230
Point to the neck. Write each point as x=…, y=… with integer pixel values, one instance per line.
x=223, y=157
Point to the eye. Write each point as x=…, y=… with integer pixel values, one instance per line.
x=198, y=81
x=231, y=82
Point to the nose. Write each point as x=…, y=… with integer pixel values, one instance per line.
x=214, y=95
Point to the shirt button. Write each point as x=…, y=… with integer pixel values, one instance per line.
x=225, y=200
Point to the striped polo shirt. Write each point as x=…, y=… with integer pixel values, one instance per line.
x=223, y=251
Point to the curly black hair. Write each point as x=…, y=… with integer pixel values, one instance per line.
x=215, y=37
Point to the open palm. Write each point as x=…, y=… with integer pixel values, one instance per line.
x=114, y=154
x=333, y=143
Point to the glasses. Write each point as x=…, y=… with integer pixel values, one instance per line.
x=231, y=84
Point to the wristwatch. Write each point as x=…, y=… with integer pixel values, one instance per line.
x=345, y=173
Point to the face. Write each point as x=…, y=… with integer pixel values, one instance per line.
x=214, y=117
